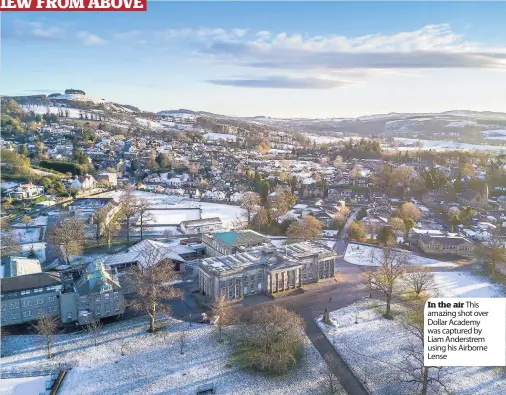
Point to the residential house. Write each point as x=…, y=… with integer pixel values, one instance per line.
x=26, y=192
x=84, y=182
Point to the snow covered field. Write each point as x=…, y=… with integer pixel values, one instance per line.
x=375, y=349
x=73, y=112
x=229, y=214
x=461, y=285
x=170, y=217
x=365, y=255
x=220, y=136
x=443, y=145
x=152, y=364
x=23, y=235
x=24, y=385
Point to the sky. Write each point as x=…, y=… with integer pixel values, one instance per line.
x=278, y=59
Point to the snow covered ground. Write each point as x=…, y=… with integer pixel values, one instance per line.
x=153, y=364
x=24, y=385
x=229, y=214
x=365, y=255
x=376, y=348
x=443, y=145
x=220, y=136
x=23, y=235
x=73, y=112
x=170, y=217
x=456, y=284
x=39, y=248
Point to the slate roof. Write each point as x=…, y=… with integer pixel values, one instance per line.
x=243, y=238
x=446, y=240
x=30, y=281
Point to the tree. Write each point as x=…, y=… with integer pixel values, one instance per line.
x=338, y=161
x=143, y=206
x=109, y=230
x=391, y=269
x=398, y=224
x=427, y=379
x=99, y=219
x=283, y=201
x=421, y=279
x=332, y=386
x=356, y=230
x=387, y=236
x=68, y=235
x=152, y=278
x=46, y=327
x=94, y=328
x=222, y=308
x=9, y=245
x=261, y=218
x=129, y=207
x=306, y=228
x=271, y=341
x=31, y=253
x=409, y=210
x=250, y=202
x=23, y=150
x=494, y=253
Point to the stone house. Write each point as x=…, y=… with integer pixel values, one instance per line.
x=446, y=245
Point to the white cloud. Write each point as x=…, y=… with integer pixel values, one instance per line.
x=88, y=38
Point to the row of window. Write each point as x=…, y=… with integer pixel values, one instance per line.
x=38, y=290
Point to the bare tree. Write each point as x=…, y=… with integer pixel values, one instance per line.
x=494, y=253
x=271, y=341
x=94, y=328
x=26, y=220
x=9, y=245
x=182, y=339
x=421, y=279
x=128, y=207
x=109, y=230
x=331, y=383
x=250, y=201
x=68, y=235
x=222, y=308
x=143, y=206
x=46, y=327
x=426, y=379
x=99, y=218
x=386, y=277
x=154, y=277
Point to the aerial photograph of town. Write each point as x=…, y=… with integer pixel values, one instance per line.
x=248, y=197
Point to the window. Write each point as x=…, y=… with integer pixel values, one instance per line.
x=15, y=316
x=97, y=299
x=69, y=316
x=27, y=313
x=106, y=296
x=107, y=309
x=116, y=295
x=40, y=311
x=51, y=299
x=117, y=307
x=40, y=301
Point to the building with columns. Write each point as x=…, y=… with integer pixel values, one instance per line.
x=266, y=270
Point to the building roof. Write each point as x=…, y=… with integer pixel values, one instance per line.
x=19, y=266
x=29, y=281
x=140, y=253
x=447, y=240
x=95, y=280
x=241, y=238
x=201, y=222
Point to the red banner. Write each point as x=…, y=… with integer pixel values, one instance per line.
x=73, y=5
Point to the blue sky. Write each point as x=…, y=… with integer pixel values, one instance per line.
x=284, y=59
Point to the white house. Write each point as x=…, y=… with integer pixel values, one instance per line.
x=84, y=182
x=26, y=191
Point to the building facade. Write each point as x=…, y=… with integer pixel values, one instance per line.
x=266, y=270
x=30, y=297
x=446, y=245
